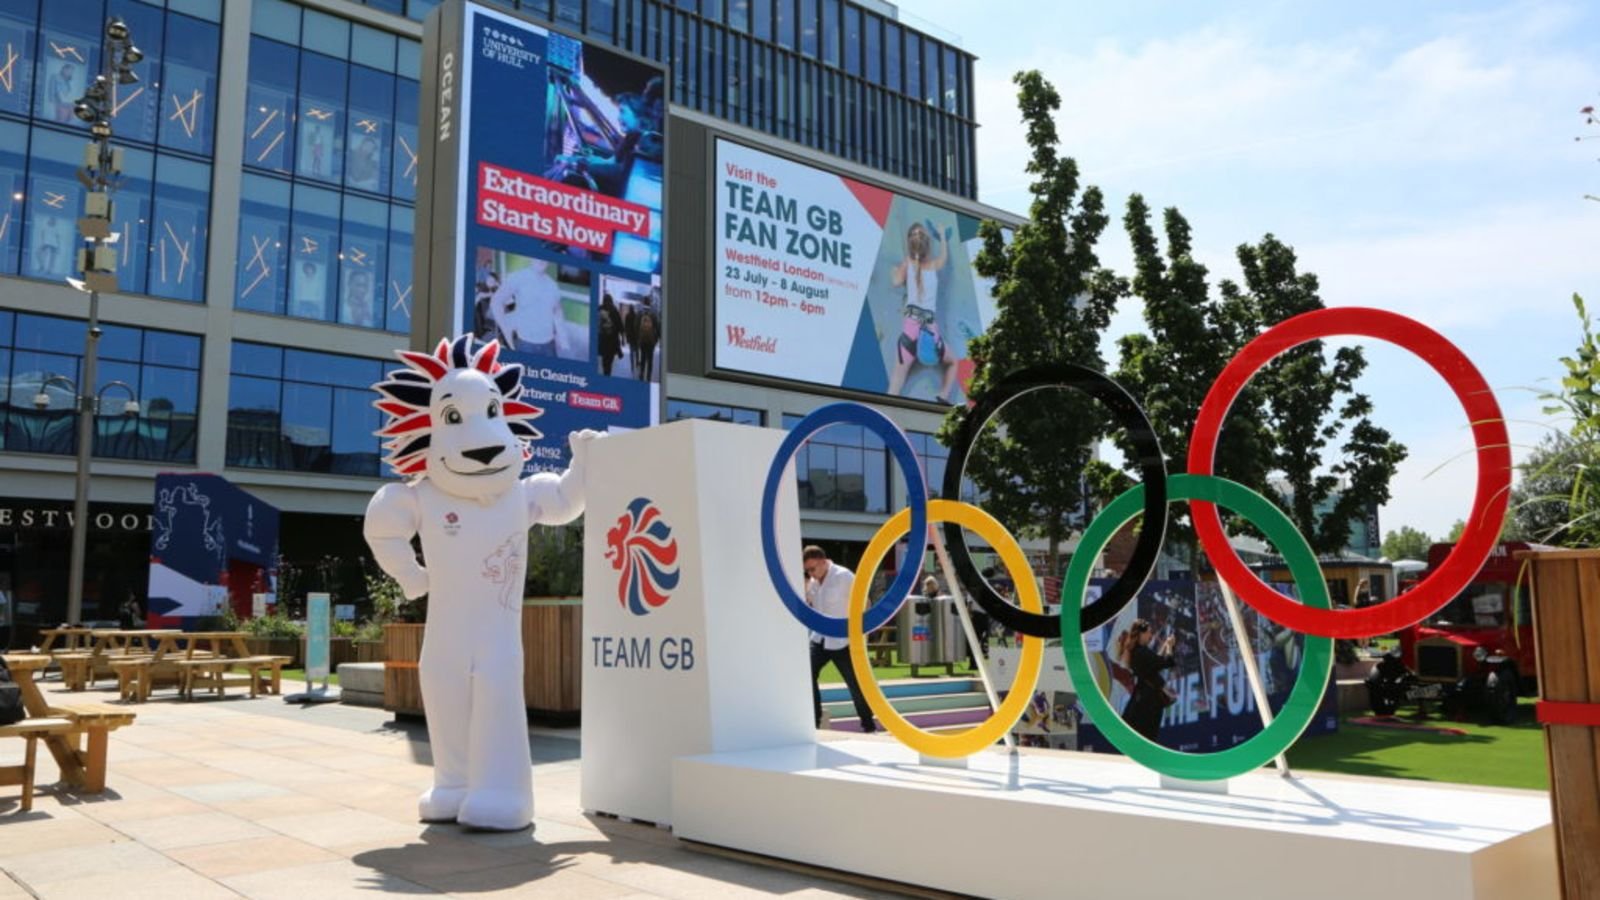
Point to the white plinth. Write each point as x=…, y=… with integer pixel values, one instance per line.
x=1099, y=826
x=721, y=665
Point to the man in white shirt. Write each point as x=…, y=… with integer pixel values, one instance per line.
x=527, y=310
x=828, y=592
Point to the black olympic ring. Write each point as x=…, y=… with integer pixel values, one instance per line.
x=1153, y=471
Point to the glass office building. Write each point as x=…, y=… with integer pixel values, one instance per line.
x=270, y=155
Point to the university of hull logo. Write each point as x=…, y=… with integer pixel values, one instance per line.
x=640, y=546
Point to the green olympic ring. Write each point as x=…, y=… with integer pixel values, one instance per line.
x=1304, y=699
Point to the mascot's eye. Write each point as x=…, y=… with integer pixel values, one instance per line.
x=452, y=416
x=494, y=408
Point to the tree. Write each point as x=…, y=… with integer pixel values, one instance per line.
x=1591, y=118
x=1191, y=336
x=1456, y=530
x=1053, y=300
x=1407, y=543
x=1302, y=391
x=1558, y=500
x=1287, y=419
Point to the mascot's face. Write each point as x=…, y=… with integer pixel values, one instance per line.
x=473, y=454
x=455, y=417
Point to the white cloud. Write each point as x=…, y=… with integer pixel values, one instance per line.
x=1500, y=264
x=1226, y=95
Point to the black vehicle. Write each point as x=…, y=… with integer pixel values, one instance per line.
x=1392, y=684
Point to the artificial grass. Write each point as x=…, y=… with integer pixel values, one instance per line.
x=1489, y=755
x=300, y=675
x=1510, y=756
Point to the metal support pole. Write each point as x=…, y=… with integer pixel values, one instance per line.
x=1247, y=655
x=978, y=658
x=80, y=499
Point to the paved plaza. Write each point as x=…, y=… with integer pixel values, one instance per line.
x=262, y=799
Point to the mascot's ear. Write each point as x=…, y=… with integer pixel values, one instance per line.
x=509, y=380
x=461, y=352
x=416, y=395
x=418, y=444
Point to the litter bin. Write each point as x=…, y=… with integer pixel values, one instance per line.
x=930, y=633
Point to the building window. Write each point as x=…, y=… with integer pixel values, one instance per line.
x=602, y=19
x=161, y=210
x=331, y=109
x=935, y=458
x=302, y=411
x=842, y=467
x=43, y=355
x=739, y=415
x=51, y=50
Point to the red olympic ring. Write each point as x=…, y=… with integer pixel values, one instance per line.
x=1488, y=503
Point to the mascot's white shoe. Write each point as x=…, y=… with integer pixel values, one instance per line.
x=457, y=426
x=439, y=804
x=496, y=811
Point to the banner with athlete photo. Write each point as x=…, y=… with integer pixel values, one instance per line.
x=827, y=280
x=546, y=212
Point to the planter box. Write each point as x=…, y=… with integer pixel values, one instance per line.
x=402, y=689
x=552, y=660
x=552, y=656
x=1566, y=622
x=294, y=648
x=369, y=651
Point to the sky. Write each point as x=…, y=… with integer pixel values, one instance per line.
x=1420, y=157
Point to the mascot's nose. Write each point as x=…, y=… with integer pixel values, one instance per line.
x=484, y=455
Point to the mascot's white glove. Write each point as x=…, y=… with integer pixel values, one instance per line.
x=579, y=441
x=558, y=499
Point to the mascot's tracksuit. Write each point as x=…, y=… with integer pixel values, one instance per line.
x=471, y=665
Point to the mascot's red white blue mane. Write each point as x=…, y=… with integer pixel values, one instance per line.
x=407, y=394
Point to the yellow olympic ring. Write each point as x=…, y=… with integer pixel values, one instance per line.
x=992, y=729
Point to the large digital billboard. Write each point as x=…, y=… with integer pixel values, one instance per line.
x=544, y=222
x=830, y=281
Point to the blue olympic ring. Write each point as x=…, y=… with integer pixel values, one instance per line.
x=916, y=498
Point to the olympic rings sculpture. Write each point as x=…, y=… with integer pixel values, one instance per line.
x=1312, y=615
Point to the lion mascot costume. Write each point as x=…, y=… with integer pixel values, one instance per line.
x=457, y=430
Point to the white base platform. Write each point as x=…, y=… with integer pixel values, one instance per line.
x=1100, y=826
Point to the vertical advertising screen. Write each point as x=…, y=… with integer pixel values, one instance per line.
x=549, y=215
x=827, y=280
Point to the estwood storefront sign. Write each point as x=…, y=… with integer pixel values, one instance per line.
x=44, y=517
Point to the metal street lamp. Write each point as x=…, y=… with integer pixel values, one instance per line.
x=97, y=261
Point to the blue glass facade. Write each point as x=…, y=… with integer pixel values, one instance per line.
x=43, y=355
x=718, y=412
x=829, y=74
x=302, y=410
x=842, y=467
x=49, y=51
x=330, y=157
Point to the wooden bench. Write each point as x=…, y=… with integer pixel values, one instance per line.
x=267, y=672
x=133, y=677
x=30, y=730
x=77, y=670
x=95, y=721
x=213, y=674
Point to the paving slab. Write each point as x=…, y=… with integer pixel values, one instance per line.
x=262, y=799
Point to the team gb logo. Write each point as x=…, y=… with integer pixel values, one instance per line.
x=641, y=547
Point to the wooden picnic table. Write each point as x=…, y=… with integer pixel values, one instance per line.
x=129, y=639
x=80, y=667
x=178, y=657
x=83, y=768
x=70, y=638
